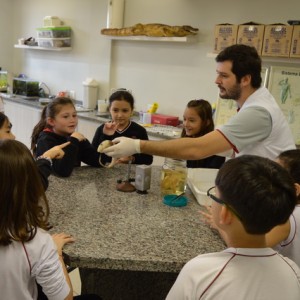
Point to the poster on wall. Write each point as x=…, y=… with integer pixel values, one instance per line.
x=227, y=108
x=284, y=85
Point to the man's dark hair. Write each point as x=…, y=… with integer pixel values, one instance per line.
x=259, y=190
x=245, y=61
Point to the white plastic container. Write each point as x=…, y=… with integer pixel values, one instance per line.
x=115, y=14
x=90, y=93
x=102, y=106
x=52, y=21
x=54, y=43
x=54, y=32
x=199, y=181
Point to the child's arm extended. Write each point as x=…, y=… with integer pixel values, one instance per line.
x=60, y=240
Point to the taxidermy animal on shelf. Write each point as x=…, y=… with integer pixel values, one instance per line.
x=152, y=30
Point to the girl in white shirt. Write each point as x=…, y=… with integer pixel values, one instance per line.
x=28, y=254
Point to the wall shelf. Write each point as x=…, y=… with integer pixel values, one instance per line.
x=43, y=48
x=184, y=39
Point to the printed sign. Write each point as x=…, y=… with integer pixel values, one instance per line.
x=284, y=85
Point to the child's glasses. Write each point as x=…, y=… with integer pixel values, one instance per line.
x=211, y=194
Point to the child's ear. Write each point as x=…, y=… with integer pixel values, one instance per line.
x=226, y=215
x=50, y=121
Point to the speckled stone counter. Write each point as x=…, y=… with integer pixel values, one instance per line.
x=125, y=231
x=128, y=246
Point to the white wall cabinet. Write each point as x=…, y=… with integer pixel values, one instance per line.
x=87, y=128
x=23, y=119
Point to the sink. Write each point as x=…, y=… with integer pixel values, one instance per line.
x=105, y=115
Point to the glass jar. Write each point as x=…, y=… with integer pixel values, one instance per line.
x=173, y=177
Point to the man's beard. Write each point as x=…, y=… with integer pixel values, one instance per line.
x=234, y=93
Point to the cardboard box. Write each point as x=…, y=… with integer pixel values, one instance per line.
x=251, y=34
x=295, y=44
x=164, y=120
x=225, y=35
x=277, y=40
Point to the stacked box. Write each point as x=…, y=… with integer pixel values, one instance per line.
x=164, y=119
x=251, y=34
x=295, y=44
x=277, y=40
x=54, y=37
x=54, y=43
x=54, y=32
x=225, y=35
x=52, y=21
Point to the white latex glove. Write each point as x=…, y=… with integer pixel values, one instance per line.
x=123, y=147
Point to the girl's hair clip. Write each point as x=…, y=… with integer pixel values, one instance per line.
x=113, y=90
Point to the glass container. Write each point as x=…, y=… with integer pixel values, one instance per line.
x=173, y=177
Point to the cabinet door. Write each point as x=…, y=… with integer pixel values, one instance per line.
x=23, y=119
x=87, y=128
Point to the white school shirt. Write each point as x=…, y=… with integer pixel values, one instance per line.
x=239, y=274
x=259, y=128
x=291, y=246
x=21, y=265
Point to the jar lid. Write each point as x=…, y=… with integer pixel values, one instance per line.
x=172, y=200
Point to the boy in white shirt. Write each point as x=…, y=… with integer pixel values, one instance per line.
x=252, y=195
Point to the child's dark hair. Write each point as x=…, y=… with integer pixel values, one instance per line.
x=23, y=202
x=3, y=119
x=49, y=111
x=204, y=111
x=121, y=94
x=259, y=190
x=290, y=160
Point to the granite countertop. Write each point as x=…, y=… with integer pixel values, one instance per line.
x=125, y=231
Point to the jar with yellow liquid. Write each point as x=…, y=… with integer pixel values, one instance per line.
x=173, y=177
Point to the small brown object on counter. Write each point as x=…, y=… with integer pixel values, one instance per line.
x=152, y=30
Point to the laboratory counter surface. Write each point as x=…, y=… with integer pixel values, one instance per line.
x=126, y=230
x=155, y=131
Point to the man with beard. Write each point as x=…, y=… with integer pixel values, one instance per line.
x=259, y=127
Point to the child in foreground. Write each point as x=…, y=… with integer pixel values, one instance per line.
x=285, y=238
x=198, y=121
x=28, y=254
x=57, y=125
x=121, y=105
x=252, y=195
